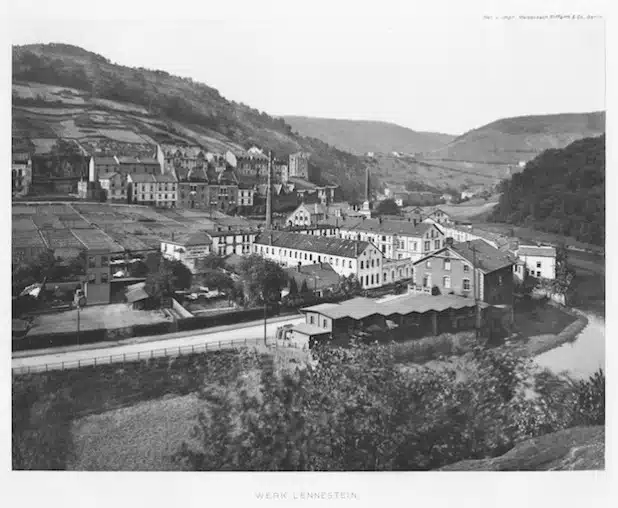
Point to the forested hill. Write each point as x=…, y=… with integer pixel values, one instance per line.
x=164, y=107
x=560, y=191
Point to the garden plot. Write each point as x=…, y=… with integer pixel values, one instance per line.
x=24, y=224
x=62, y=239
x=95, y=239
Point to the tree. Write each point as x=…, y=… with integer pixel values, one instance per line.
x=387, y=207
x=564, y=273
x=304, y=289
x=262, y=280
x=293, y=287
x=182, y=275
x=435, y=291
x=349, y=285
x=211, y=262
x=162, y=283
x=214, y=279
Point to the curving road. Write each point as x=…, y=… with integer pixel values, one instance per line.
x=252, y=332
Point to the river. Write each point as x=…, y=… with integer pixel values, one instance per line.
x=582, y=357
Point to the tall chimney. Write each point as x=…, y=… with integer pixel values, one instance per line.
x=367, y=185
x=269, y=194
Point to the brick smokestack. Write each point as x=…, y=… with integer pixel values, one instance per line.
x=367, y=185
x=269, y=206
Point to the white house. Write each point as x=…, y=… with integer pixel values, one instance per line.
x=347, y=257
x=539, y=262
x=187, y=248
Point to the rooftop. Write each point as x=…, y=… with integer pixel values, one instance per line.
x=360, y=308
x=137, y=292
x=310, y=243
x=310, y=330
x=399, y=227
x=486, y=257
x=190, y=239
x=317, y=276
x=105, y=161
x=539, y=251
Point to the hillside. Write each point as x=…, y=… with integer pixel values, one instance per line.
x=511, y=140
x=65, y=91
x=560, y=191
x=362, y=136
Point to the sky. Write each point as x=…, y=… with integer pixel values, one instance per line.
x=442, y=68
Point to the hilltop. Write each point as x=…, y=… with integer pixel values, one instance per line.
x=362, y=136
x=65, y=91
x=511, y=140
x=560, y=191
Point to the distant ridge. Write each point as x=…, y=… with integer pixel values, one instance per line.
x=362, y=136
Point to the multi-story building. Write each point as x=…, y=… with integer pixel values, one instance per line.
x=396, y=239
x=188, y=249
x=472, y=269
x=182, y=157
x=226, y=241
x=114, y=185
x=21, y=172
x=347, y=257
x=135, y=166
x=245, y=195
x=307, y=215
x=158, y=190
x=538, y=261
x=102, y=165
x=467, y=233
x=438, y=216
x=298, y=166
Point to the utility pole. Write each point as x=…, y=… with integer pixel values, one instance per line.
x=476, y=303
x=269, y=193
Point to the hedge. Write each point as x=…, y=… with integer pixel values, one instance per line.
x=49, y=340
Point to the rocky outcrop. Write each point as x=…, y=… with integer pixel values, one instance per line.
x=575, y=449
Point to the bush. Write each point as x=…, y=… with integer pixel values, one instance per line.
x=50, y=340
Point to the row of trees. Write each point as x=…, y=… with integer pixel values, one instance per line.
x=358, y=410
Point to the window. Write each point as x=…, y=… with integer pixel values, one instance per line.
x=446, y=282
x=91, y=278
x=372, y=279
x=325, y=323
x=336, y=261
x=427, y=245
x=91, y=262
x=428, y=263
x=466, y=268
x=311, y=319
x=104, y=278
x=538, y=264
x=538, y=274
x=362, y=265
x=378, y=278
x=350, y=264
x=104, y=261
x=414, y=246
x=436, y=244
x=500, y=280
x=425, y=281
x=466, y=284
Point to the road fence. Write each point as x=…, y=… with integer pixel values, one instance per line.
x=152, y=353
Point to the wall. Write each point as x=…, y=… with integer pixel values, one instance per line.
x=438, y=270
x=547, y=269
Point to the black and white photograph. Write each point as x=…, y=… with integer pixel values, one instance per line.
x=278, y=237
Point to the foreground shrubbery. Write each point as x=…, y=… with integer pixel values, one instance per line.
x=351, y=409
x=357, y=410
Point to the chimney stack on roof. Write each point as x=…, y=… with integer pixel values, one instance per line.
x=270, y=238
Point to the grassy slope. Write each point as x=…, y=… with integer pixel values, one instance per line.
x=511, y=140
x=361, y=136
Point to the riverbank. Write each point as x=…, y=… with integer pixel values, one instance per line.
x=539, y=344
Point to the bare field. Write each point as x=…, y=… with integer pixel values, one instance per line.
x=142, y=437
x=91, y=318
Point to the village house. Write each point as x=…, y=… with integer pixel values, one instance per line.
x=245, y=195
x=158, y=190
x=413, y=213
x=232, y=240
x=438, y=216
x=472, y=269
x=298, y=166
x=460, y=233
x=537, y=261
x=347, y=257
x=114, y=185
x=99, y=165
x=21, y=173
x=187, y=248
x=321, y=278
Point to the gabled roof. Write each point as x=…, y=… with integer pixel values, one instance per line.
x=310, y=243
x=191, y=239
x=105, y=161
x=141, y=178
x=128, y=160
x=399, y=227
x=136, y=292
x=479, y=253
x=108, y=175
x=148, y=160
x=317, y=276
x=533, y=250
